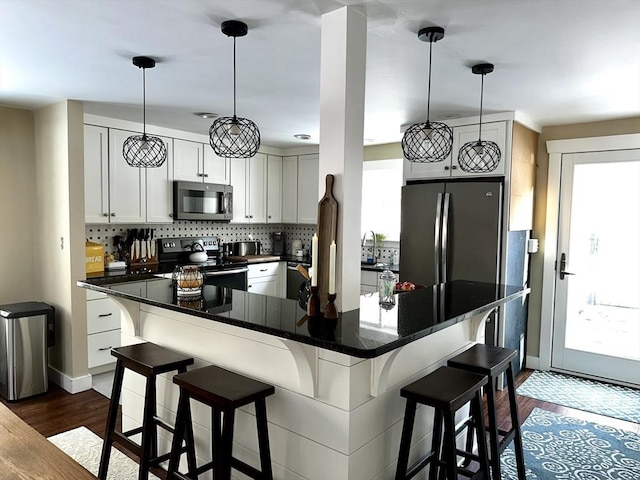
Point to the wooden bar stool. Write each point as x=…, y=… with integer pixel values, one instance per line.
x=224, y=392
x=492, y=362
x=149, y=360
x=447, y=390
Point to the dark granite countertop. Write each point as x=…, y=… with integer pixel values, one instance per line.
x=366, y=332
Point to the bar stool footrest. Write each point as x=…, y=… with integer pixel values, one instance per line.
x=130, y=433
x=126, y=443
x=420, y=464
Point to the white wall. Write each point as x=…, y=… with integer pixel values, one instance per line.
x=59, y=245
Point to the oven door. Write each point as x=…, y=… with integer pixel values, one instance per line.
x=235, y=278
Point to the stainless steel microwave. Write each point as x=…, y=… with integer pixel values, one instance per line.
x=202, y=201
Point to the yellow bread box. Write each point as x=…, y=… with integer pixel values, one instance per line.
x=95, y=257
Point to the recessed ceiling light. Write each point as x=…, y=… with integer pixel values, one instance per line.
x=207, y=115
x=369, y=140
x=449, y=116
x=302, y=136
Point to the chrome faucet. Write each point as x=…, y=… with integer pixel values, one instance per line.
x=375, y=244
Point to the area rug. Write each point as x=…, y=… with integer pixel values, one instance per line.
x=557, y=447
x=85, y=447
x=588, y=395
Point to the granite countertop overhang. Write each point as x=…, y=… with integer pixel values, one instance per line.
x=366, y=332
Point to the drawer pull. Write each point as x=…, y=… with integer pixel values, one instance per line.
x=105, y=348
x=105, y=314
x=263, y=269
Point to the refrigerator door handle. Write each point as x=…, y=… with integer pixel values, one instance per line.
x=445, y=235
x=436, y=242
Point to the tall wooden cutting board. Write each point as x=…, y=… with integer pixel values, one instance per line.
x=327, y=232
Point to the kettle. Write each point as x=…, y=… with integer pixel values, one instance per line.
x=198, y=253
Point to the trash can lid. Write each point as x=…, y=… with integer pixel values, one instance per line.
x=25, y=309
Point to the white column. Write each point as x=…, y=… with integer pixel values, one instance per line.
x=342, y=84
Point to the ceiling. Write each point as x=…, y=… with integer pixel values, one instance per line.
x=556, y=61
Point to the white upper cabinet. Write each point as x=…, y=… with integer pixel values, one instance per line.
x=308, y=174
x=160, y=189
x=96, y=174
x=449, y=167
x=127, y=188
x=197, y=162
x=274, y=189
x=290, y=189
x=249, y=181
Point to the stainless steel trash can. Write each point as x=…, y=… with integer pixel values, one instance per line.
x=26, y=330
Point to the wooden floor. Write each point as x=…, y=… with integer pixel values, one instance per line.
x=58, y=411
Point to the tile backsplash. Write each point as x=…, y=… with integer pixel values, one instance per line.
x=226, y=232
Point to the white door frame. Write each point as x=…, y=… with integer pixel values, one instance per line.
x=556, y=148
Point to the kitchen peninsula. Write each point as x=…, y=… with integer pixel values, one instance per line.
x=337, y=413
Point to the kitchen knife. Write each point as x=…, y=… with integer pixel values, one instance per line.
x=152, y=245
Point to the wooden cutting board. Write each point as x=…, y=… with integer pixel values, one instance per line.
x=327, y=232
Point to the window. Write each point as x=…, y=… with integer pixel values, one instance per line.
x=381, y=192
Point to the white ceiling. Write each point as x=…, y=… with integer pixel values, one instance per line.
x=556, y=61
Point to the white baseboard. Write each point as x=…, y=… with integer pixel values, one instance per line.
x=71, y=385
x=533, y=363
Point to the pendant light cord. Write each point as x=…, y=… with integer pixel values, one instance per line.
x=234, y=77
x=429, y=83
x=144, y=104
x=481, y=95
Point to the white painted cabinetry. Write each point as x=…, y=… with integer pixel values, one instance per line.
x=197, y=162
x=308, y=197
x=249, y=181
x=290, y=189
x=267, y=279
x=103, y=329
x=274, y=189
x=116, y=192
x=493, y=131
x=96, y=174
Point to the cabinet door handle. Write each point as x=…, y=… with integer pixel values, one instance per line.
x=269, y=216
x=200, y=175
x=171, y=214
x=205, y=175
x=105, y=214
x=105, y=348
x=446, y=167
x=113, y=214
x=105, y=314
x=263, y=269
x=454, y=168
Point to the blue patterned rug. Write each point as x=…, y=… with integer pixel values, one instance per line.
x=557, y=447
x=588, y=395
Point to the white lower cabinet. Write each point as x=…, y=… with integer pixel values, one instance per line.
x=267, y=279
x=103, y=329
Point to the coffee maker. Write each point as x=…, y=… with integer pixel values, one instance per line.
x=278, y=243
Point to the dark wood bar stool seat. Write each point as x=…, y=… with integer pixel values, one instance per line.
x=149, y=360
x=493, y=362
x=224, y=392
x=446, y=390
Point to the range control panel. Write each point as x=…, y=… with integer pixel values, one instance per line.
x=184, y=244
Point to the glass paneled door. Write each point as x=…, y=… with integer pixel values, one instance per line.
x=597, y=303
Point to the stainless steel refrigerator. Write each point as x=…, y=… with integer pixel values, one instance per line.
x=451, y=230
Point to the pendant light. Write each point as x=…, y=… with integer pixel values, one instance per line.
x=144, y=150
x=234, y=137
x=480, y=156
x=429, y=141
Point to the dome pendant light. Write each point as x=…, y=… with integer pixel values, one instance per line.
x=144, y=150
x=234, y=137
x=482, y=156
x=430, y=141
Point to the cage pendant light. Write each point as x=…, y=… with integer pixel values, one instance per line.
x=144, y=150
x=428, y=141
x=234, y=137
x=481, y=156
